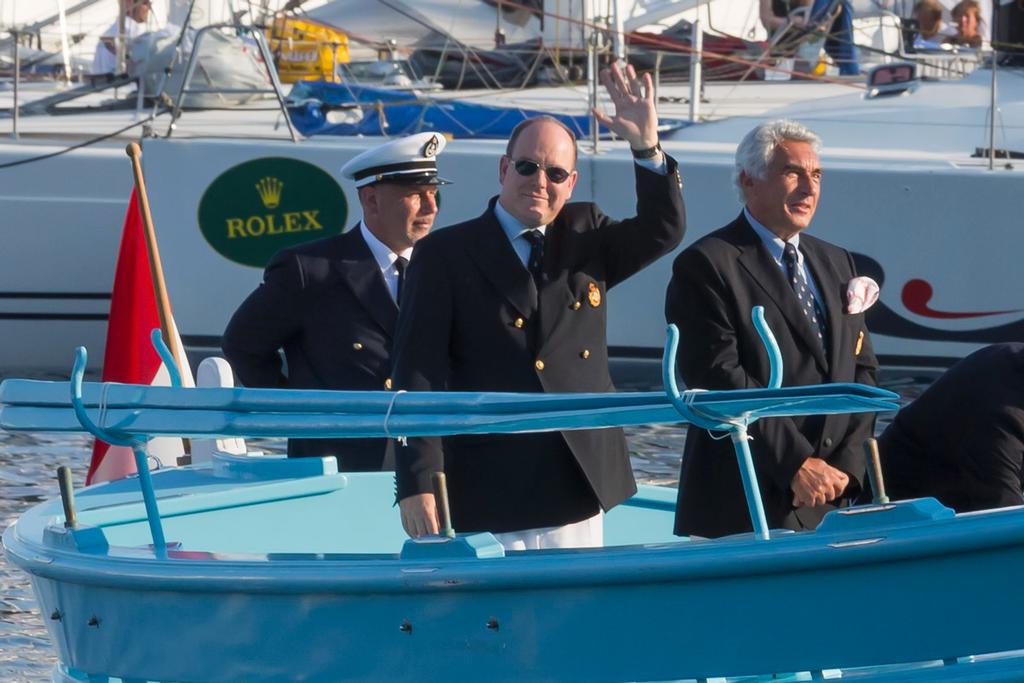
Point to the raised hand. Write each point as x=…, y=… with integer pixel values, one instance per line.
x=636, y=118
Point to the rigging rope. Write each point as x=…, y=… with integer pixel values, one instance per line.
x=86, y=143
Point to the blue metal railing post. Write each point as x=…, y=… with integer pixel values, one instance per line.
x=112, y=437
x=156, y=528
x=157, y=339
x=751, y=489
x=770, y=346
x=736, y=429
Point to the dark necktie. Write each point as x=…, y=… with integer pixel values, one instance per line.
x=808, y=304
x=400, y=263
x=536, y=262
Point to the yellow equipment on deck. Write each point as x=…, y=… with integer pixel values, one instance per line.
x=306, y=50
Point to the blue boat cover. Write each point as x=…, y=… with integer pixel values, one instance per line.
x=395, y=113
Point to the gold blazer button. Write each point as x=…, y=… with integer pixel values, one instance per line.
x=519, y=323
x=357, y=346
x=387, y=384
x=539, y=364
x=585, y=354
x=576, y=305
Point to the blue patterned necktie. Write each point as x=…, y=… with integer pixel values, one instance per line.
x=536, y=262
x=808, y=304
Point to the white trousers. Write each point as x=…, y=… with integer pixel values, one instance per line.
x=588, y=533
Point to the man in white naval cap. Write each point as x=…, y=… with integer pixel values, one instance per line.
x=332, y=304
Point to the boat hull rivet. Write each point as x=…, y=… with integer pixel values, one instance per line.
x=406, y=627
x=492, y=624
x=56, y=616
x=94, y=621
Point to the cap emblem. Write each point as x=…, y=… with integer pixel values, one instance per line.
x=430, y=148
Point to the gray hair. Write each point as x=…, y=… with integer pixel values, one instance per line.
x=755, y=150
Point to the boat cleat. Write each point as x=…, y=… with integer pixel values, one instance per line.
x=877, y=516
x=477, y=546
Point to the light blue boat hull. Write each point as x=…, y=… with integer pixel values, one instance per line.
x=269, y=569
x=273, y=575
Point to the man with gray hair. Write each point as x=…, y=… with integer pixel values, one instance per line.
x=805, y=465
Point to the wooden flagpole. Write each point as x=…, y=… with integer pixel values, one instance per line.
x=163, y=301
x=156, y=269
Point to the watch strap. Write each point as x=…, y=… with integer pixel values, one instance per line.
x=648, y=153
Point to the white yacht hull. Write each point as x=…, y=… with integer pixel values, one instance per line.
x=935, y=226
x=914, y=221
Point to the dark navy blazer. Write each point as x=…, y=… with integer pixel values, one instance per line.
x=327, y=305
x=962, y=440
x=715, y=283
x=476, y=322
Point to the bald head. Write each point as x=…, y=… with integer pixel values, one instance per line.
x=536, y=120
x=540, y=149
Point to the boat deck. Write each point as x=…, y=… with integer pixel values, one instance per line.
x=263, y=119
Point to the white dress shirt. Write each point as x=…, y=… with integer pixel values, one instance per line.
x=385, y=259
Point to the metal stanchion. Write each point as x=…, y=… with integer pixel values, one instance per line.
x=17, y=81
x=592, y=86
x=696, y=71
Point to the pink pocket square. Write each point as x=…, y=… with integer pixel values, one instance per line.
x=861, y=294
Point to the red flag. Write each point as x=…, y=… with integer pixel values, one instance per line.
x=130, y=356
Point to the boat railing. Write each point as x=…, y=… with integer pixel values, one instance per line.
x=131, y=415
x=186, y=88
x=942, y=64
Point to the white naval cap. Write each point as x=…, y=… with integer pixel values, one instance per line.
x=410, y=160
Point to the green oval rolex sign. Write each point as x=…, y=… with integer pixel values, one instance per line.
x=255, y=209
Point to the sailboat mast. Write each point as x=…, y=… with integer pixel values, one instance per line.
x=992, y=100
x=618, y=31
x=590, y=39
x=65, y=50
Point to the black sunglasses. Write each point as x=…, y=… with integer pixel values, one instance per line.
x=526, y=168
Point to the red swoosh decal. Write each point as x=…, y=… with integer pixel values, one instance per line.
x=916, y=295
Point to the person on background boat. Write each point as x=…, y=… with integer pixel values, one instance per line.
x=928, y=15
x=516, y=300
x=135, y=16
x=962, y=440
x=331, y=304
x=774, y=14
x=794, y=33
x=805, y=465
x=967, y=15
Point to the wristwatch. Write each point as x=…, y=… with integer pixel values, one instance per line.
x=648, y=153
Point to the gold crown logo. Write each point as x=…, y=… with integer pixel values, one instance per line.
x=270, y=191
